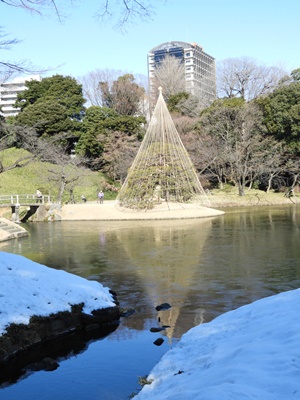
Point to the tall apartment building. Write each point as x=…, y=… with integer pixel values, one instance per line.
x=9, y=92
x=200, y=69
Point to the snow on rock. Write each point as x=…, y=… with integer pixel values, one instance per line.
x=28, y=288
x=249, y=353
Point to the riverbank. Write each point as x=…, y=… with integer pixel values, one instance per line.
x=219, y=201
x=109, y=211
x=247, y=353
x=224, y=199
x=10, y=230
x=35, y=309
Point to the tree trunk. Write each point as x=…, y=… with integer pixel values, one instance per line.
x=295, y=179
x=270, y=182
x=61, y=189
x=72, y=198
x=241, y=186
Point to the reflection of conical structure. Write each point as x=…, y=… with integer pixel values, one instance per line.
x=166, y=257
x=162, y=170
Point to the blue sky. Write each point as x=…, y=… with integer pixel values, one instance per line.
x=265, y=30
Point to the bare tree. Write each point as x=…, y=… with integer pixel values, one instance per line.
x=243, y=153
x=207, y=152
x=34, y=148
x=123, y=12
x=10, y=68
x=9, y=136
x=37, y=6
x=23, y=159
x=243, y=77
x=67, y=176
x=170, y=75
x=67, y=172
x=211, y=159
x=141, y=80
x=33, y=6
x=91, y=83
x=273, y=164
x=293, y=168
x=118, y=155
x=127, y=13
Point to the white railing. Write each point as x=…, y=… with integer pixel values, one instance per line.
x=24, y=199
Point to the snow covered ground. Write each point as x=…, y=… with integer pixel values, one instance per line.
x=249, y=353
x=28, y=288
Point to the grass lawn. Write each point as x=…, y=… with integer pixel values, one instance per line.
x=47, y=178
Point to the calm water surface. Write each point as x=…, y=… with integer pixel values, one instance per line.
x=201, y=267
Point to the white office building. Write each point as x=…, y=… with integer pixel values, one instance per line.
x=200, y=69
x=9, y=92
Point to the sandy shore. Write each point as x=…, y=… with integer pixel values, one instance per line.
x=219, y=201
x=109, y=211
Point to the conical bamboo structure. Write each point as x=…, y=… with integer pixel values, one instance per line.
x=162, y=170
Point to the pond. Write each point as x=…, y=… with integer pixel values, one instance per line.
x=202, y=268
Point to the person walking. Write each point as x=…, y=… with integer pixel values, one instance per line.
x=39, y=196
x=101, y=197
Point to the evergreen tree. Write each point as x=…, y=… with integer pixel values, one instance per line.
x=281, y=111
x=53, y=107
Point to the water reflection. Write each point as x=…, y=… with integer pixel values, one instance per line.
x=165, y=258
x=61, y=348
x=146, y=262
x=201, y=267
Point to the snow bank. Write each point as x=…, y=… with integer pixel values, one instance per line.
x=28, y=288
x=249, y=353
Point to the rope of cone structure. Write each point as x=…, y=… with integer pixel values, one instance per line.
x=162, y=169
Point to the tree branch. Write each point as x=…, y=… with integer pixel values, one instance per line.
x=21, y=162
x=131, y=10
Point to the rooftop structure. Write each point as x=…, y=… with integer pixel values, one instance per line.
x=200, y=71
x=9, y=92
